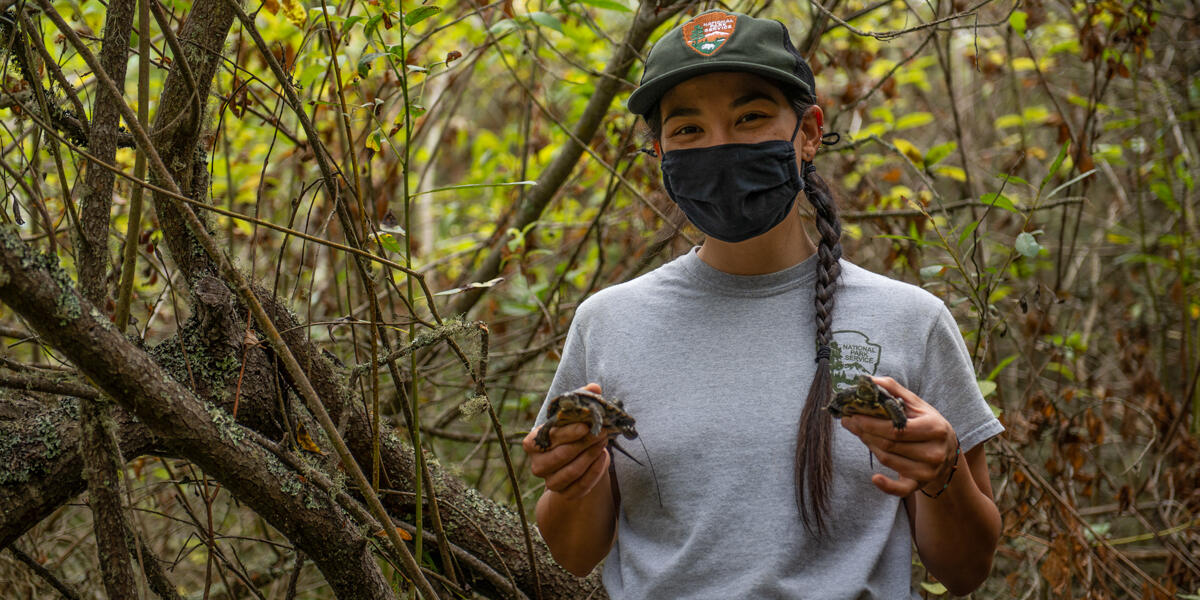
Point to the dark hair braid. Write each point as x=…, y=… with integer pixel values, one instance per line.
x=813, y=466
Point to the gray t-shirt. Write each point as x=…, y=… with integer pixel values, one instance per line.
x=715, y=368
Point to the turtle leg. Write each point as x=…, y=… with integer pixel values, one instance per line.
x=895, y=410
x=597, y=420
x=542, y=439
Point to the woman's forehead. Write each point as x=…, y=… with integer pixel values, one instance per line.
x=720, y=88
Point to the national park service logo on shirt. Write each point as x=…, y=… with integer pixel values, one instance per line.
x=707, y=33
x=852, y=354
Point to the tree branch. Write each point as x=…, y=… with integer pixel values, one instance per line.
x=208, y=436
x=649, y=16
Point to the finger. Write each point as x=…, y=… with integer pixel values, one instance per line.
x=902, y=486
x=893, y=387
x=930, y=452
x=919, y=428
x=914, y=405
x=907, y=467
x=592, y=387
x=566, y=434
x=594, y=474
x=527, y=442
x=543, y=464
x=557, y=436
x=579, y=476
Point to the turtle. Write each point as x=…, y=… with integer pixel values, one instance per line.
x=585, y=406
x=867, y=398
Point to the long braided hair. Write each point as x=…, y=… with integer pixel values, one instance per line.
x=813, y=466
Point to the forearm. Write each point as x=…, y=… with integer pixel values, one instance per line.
x=957, y=532
x=579, y=532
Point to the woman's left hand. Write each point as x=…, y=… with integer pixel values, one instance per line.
x=921, y=454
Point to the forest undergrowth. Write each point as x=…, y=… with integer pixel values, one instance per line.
x=432, y=189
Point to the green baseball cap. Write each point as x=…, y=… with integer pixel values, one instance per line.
x=718, y=40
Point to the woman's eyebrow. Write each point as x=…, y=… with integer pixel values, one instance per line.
x=683, y=111
x=751, y=97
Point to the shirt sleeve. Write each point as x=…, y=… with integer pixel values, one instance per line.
x=948, y=383
x=572, y=367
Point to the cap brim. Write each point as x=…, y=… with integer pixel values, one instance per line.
x=648, y=94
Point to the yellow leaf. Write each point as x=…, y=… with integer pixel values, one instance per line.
x=404, y=535
x=909, y=150
x=955, y=173
x=295, y=12
x=306, y=442
x=1022, y=63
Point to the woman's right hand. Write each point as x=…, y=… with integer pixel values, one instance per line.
x=578, y=514
x=575, y=461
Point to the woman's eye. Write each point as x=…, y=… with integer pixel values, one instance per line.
x=686, y=129
x=751, y=117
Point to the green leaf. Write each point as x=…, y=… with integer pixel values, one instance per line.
x=474, y=185
x=389, y=243
x=1058, y=161
x=546, y=20
x=938, y=152
x=310, y=74
x=351, y=21
x=987, y=388
x=364, y=63
x=420, y=13
x=1017, y=21
x=1007, y=177
x=504, y=26
x=372, y=24
x=469, y=286
x=932, y=271
x=1000, y=201
x=1069, y=183
x=606, y=4
x=1000, y=367
x=914, y=120
x=883, y=113
x=967, y=231
x=1027, y=245
x=936, y=589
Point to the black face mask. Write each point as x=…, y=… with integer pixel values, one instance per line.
x=734, y=192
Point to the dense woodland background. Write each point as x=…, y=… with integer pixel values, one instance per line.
x=365, y=226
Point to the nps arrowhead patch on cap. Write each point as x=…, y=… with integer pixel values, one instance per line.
x=707, y=33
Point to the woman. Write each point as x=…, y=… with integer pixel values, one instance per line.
x=712, y=352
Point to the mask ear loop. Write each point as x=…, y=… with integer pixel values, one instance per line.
x=656, y=151
x=796, y=130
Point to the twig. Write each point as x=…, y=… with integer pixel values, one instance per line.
x=889, y=35
x=67, y=591
x=885, y=214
